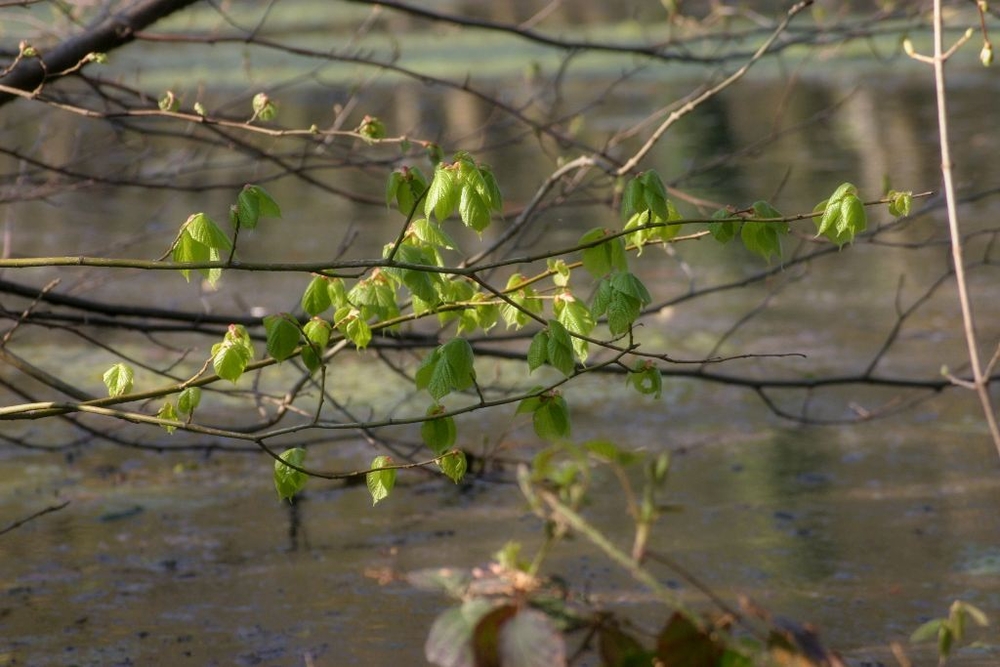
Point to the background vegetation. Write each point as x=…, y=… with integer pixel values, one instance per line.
x=420, y=243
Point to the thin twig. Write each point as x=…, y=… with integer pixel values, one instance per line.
x=21, y=522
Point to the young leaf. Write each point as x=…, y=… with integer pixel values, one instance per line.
x=628, y=284
x=188, y=251
x=474, y=209
x=900, y=203
x=646, y=378
x=623, y=311
x=282, y=335
x=560, y=349
x=357, y=331
x=379, y=480
x=289, y=481
x=263, y=108
x=167, y=412
x=601, y=259
x=231, y=356
x=247, y=209
x=538, y=351
x=454, y=465
x=438, y=433
x=392, y=187
x=761, y=238
x=265, y=203
x=450, y=367
x=633, y=199
x=492, y=192
x=551, y=418
x=316, y=297
x=317, y=332
x=525, y=301
x=118, y=379
x=577, y=318
x=761, y=209
x=188, y=400
x=443, y=194
x=431, y=233
x=724, y=229
x=204, y=230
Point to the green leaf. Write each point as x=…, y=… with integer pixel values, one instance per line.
x=560, y=349
x=289, y=481
x=551, y=418
x=622, y=311
x=282, y=335
x=379, y=481
x=263, y=108
x=118, y=379
x=666, y=232
x=474, y=209
x=628, y=284
x=640, y=237
x=492, y=192
x=439, y=433
x=633, y=199
x=354, y=327
x=316, y=297
x=231, y=356
x=188, y=251
x=621, y=296
x=538, y=351
x=646, y=379
x=653, y=184
x=247, y=209
x=524, y=299
x=601, y=259
x=317, y=332
x=338, y=293
x=167, y=412
x=853, y=218
x=454, y=465
x=724, y=229
x=311, y=358
x=900, y=203
x=843, y=215
x=188, y=400
x=204, y=230
x=450, y=367
x=443, y=194
x=392, y=189
x=371, y=128
x=577, y=318
x=761, y=209
x=431, y=233
x=265, y=203
x=761, y=238
x=560, y=271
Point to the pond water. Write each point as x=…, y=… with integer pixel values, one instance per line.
x=865, y=530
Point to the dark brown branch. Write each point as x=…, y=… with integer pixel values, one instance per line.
x=103, y=36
